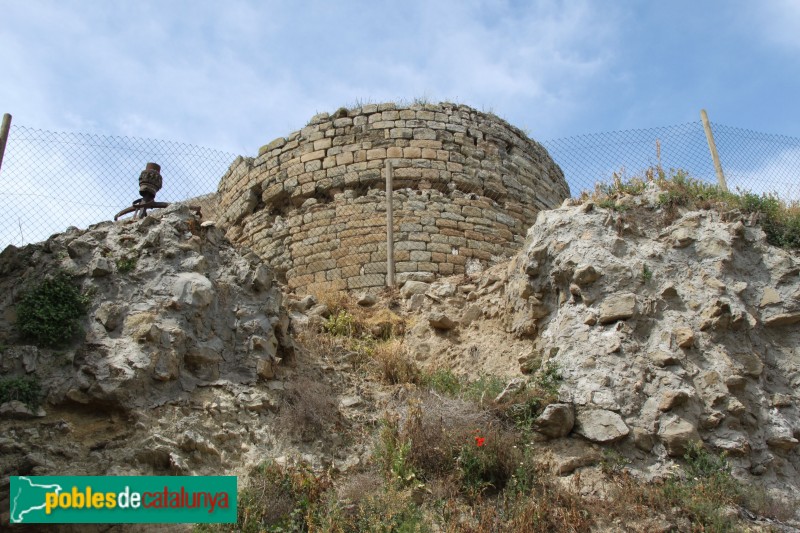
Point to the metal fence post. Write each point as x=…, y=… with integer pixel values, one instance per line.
x=4, y=129
x=389, y=227
x=712, y=147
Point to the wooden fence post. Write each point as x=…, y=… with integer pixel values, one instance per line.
x=389, y=227
x=4, y=129
x=712, y=147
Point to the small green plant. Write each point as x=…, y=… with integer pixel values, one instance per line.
x=526, y=404
x=126, y=264
x=484, y=389
x=647, y=274
x=442, y=381
x=611, y=204
x=706, y=489
x=613, y=462
x=392, y=453
x=279, y=498
x=24, y=389
x=48, y=313
x=341, y=324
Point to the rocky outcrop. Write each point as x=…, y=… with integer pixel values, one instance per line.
x=172, y=307
x=665, y=331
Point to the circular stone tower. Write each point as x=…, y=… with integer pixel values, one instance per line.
x=467, y=185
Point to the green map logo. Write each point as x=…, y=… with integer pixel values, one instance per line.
x=122, y=499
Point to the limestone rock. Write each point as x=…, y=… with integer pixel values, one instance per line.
x=600, y=425
x=769, y=297
x=367, y=299
x=439, y=320
x=99, y=267
x=671, y=399
x=556, y=420
x=684, y=337
x=676, y=433
x=193, y=289
x=782, y=319
x=411, y=288
x=571, y=454
x=17, y=409
x=585, y=275
x=621, y=306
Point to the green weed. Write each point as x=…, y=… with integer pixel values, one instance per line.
x=126, y=264
x=24, y=389
x=443, y=381
x=48, y=313
x=340, y=324
x=647, y=274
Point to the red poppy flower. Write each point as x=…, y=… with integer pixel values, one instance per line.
x=479, y=441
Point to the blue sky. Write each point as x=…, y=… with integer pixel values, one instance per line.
x=234, y=75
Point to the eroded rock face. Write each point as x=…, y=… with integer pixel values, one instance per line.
x=172, y=307
x=688, y=334
x=665, y=331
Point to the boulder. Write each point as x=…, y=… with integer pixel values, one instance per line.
x=412, y=287
x=676, y=433
x=556, y=420
x=620, y=306
x=439, y=320
x=600, y=425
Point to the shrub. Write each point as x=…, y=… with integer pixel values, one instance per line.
x=279, y=498
x=126, y=264
x=393, y=363
x=25, y=389
x=308, y=410
x=49, y=312
x=448, y=440
x=483, y=389
x=340, y=324
x=525, y=404
x=443, y=381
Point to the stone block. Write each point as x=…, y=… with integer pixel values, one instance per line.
x=406, y=266
x=376, y=153
x=319, y=154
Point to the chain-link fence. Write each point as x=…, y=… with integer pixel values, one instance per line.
x=756, y=162
x=50, y=181
x=466, y=186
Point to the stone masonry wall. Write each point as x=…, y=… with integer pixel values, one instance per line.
x=467, y=185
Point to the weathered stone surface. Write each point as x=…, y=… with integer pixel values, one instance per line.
x=439, y=320
x=110, y=315
x=676, y=433
x=367, y=299
x=600, y=425
x=671, y=399
x=782, y=319
x=584, y=275
x=617, y=307
x=154, y=338
x=571, y=454
x=193, y=289
x=557, y=420
x=100, y=266
x=684, y=337
x=770, y=297
x=411, y=288
x=17, y=409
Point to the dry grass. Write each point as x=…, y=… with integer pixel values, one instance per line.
x=392, y=363
x=309, y=410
